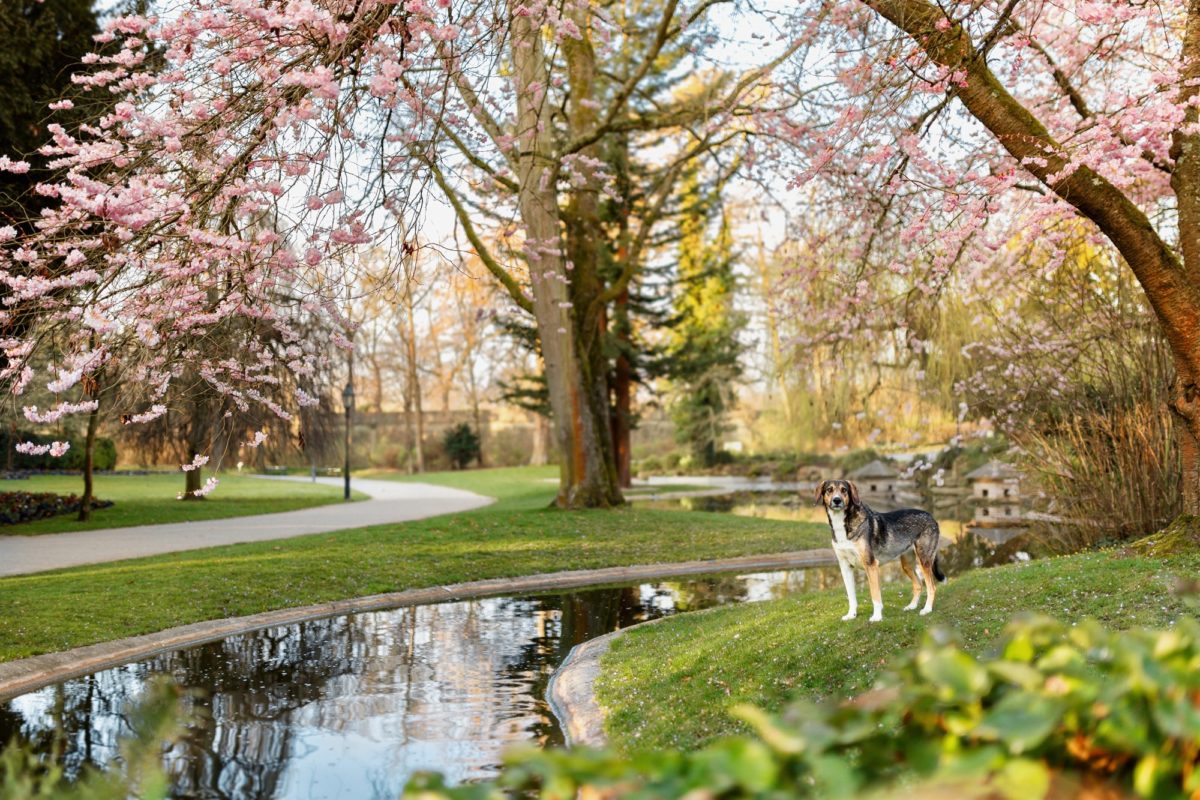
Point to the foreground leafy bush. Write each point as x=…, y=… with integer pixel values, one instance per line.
x=16, y=507
x=1059, y=710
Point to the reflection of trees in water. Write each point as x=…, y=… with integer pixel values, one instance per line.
x=462, y=680
x=241, y=740
x=697, y=595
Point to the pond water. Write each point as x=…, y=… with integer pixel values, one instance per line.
x=351, y=706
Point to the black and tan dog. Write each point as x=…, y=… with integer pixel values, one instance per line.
x=864, y=539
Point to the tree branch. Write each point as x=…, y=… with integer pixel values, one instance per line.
x=1175, y=303
x=510, y=284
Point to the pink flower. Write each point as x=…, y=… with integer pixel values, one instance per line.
x=15, y=167
x=198, y=461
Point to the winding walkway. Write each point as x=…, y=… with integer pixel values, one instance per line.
x=390, y=501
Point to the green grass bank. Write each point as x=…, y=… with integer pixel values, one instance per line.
x=671, y=684
x=153, y=499
x=518, y=535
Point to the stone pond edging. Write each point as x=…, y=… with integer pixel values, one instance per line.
x=571, y=692
x=28, y=674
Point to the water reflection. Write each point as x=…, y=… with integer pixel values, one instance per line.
x=352, y=706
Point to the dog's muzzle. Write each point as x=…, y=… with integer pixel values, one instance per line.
x=836, y=502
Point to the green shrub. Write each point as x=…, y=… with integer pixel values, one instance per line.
x=104, y=456
x=785, y=469
x=671, y=460
x=649, y=466
x=461, y=445
x=1057, y=704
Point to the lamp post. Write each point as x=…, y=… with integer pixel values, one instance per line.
x=348, y=402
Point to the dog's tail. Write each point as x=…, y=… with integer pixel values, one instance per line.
x=937, y=571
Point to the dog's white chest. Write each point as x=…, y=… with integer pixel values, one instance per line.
x=843, y=548
x=837, y=519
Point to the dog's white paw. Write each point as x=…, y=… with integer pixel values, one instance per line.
x=876, y=618
x=926, y=610
x=850, y=616
x=910, y=606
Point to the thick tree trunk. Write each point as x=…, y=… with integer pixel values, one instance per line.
x=575, y=370
x=1185, y=408
x=191, y=479
x=89, y=452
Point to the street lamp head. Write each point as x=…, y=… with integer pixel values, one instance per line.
x=348, y=396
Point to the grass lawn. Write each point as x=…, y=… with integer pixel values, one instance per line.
x=670, y=684
x=518, y=535
x=152, y=499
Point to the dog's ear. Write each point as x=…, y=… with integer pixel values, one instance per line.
x=821, y=490
x=853, y=492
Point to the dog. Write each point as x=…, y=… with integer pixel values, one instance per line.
x=864, y=539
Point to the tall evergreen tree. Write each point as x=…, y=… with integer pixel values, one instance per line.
x=42, y=43
x=704, y=347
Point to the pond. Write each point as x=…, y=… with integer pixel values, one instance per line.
x=351, y=706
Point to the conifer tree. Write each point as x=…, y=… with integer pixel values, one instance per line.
x=704, y=349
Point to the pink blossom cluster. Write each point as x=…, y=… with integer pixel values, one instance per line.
x=205, y=490
x=55, y=449
x=908, y=201
x=55, y=414
x=197, y=462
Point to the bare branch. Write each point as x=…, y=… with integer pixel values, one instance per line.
x=510, y=284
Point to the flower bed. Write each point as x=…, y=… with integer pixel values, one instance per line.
x=17, y=507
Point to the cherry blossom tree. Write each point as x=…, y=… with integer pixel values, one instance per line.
x=951, y=131
x=256, y=142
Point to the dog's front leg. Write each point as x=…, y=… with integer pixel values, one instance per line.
x=876, y=592
x=848, y=579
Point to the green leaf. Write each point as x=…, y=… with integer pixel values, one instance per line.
x=1021, y=720
x=1145, y=775
x=1017, y=673
x=957, y=675
x=736, y=762
x=769, y=730
x=1023, y=779
x=835, y=777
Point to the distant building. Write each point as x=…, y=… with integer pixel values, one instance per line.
x=996, y=490
x=876, y=478
x=995, y=480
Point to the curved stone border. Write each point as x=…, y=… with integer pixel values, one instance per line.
x=571, y=692
x=28, y=674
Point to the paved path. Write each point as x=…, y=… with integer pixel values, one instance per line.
x=390, y=501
